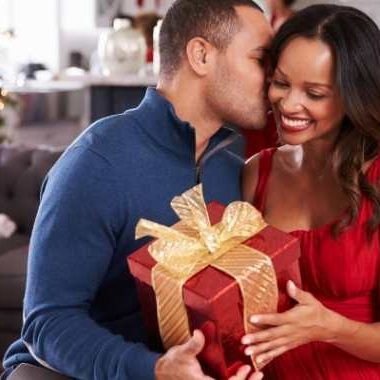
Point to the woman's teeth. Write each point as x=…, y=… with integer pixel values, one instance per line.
x=295, y=123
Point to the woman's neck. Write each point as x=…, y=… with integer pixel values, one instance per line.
x=312, y=160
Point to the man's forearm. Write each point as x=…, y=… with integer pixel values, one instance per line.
x=71, y=343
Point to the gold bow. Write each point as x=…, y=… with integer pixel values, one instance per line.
x=192, y=244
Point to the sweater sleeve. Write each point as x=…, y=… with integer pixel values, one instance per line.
x=72, y=245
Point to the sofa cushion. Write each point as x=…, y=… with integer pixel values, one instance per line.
x=15, y=241
x=23, y=169
x=12, y=278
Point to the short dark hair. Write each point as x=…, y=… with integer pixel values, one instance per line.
x=354, y=39
x=214, y=20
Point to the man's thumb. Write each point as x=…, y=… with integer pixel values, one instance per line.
x=195, y=344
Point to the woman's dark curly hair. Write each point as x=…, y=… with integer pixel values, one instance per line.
x=354, y=40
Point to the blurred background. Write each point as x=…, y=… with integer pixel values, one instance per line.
x=65, y=63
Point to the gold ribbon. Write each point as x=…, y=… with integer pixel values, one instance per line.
x=192, y=244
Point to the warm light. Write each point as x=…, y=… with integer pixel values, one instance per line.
x=2, y=106
x=4, y=93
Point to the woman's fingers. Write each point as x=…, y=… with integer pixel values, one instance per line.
x=258, y=349
x=266, y=335
x=266, y=357
x=275, y=319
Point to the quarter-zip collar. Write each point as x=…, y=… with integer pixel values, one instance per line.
x=158, y=119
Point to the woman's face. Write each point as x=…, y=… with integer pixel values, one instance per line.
x=305, y=100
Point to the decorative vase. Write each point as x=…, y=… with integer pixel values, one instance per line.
x=122, y=50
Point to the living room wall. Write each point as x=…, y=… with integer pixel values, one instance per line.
x=371, y=7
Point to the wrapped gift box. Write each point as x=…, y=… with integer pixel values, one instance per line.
x=214, y=300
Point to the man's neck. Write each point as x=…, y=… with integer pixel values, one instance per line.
x=190, y=106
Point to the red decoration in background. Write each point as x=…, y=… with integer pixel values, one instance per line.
x=140, y=3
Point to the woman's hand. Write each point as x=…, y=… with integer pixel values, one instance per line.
x=308, y=321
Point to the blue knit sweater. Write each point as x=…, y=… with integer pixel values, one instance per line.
x=81, y=311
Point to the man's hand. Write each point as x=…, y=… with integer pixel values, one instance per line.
x=180, y=363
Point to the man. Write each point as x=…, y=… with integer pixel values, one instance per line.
x=82, y=315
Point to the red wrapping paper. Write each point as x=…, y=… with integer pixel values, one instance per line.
x=213, y=299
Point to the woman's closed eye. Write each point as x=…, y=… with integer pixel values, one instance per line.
x=315, y=96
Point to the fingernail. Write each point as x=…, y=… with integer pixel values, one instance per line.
x=259, y=359
x=291, y=287
x=245, y=340
x=260, y=376
x=255, y=319
x=249, y=351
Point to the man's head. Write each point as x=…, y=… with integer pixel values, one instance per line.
x=214, y=20
x=220, y=45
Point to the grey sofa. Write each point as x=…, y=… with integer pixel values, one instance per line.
x=22, y=170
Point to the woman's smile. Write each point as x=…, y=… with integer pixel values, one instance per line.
x=295, y=125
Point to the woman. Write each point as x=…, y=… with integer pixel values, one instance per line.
x=322, y=186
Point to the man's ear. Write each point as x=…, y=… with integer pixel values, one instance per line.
x=200, y=55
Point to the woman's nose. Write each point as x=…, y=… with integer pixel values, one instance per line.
x=292, y=102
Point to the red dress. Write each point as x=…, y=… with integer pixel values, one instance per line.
x=343, y=274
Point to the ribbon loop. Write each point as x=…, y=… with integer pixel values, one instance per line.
x=191, y=209
x=181, y=251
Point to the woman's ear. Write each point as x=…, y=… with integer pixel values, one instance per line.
x=199, y=55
